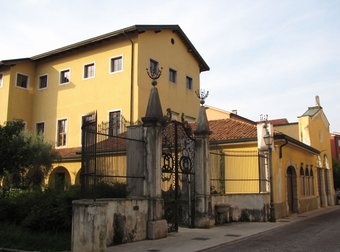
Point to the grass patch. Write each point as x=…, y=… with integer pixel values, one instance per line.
x=17, y=237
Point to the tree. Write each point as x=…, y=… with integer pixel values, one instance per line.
x=336, y=173
x=25, y=159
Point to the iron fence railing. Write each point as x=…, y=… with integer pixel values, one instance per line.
x=234, y=172
x=104, y=159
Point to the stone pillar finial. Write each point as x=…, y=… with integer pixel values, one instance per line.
x=154, y=113
x=202, y=127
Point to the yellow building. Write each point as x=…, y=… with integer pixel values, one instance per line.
x=302, y=174
x=53, y=91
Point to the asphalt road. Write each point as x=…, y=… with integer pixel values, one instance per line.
x=320, y=233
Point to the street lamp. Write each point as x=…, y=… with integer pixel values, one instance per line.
x=268, y=139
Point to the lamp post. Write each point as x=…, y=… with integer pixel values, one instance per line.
x=268, y=139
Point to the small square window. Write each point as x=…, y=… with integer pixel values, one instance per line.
x=188, y=83
x=40, y=128
x=89, y=71
x=65, y=76
x=1, y=79
x=172, y=75
x=154, y=66
x=116, y=64
x=42, y=82
x=22, y=80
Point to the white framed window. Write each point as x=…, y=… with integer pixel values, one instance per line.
x=40, y=128
x=1, y=80
x=114, y=122
x=43, y=79
x=61, y=132
x=188, y=83
x=116, y=64
x=89, y=71
x=22, y=80
x=65, y=76
x=154, y=66
x=172, y=75
x=338, y=142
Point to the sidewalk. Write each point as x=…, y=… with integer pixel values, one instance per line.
x=200, y=239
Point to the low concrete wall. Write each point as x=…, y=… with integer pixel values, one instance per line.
x=242, y=207
x=98, y=224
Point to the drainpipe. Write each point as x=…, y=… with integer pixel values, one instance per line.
x=131, y=77
x=281, y=146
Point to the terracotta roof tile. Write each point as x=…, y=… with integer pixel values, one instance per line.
x=228, y=129
x=69, y=152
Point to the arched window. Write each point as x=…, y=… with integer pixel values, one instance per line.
x=302, y=181
x=311, y=180
x=307, y=190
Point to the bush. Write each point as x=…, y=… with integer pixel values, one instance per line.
x=50, y=210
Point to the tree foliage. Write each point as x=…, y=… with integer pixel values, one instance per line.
x=336, y=173
x=25, y=159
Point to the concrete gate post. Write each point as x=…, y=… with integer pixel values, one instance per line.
x=157, y=226
x=203, y=208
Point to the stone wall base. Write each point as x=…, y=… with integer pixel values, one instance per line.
x=157, y=229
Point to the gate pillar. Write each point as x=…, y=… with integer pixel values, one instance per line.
x=157, y=226
x=203, y=208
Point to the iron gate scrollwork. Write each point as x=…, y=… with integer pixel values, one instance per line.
x=178, y=174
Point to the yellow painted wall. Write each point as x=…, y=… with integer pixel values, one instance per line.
x=20, y=100
x=291, y=130
x=158, y=46
x=214, y=113
x=291, y=156
x=4, y=96
x=316, y=129
x=240, y=168
x=103, y=93
x=106, y=91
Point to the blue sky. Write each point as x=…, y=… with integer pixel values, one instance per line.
x=266, y=56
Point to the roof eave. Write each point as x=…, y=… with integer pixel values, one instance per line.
x=135, y=28
x=279, y=136
x=235, y=140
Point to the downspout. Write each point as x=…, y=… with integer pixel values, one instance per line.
x=281, y=146
x=131, y=77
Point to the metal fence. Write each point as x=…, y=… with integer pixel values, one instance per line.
x=237, y=172
x=104, y=157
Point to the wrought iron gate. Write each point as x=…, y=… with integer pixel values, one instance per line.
x=178, y=175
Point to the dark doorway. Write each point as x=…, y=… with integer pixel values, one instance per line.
x=291, y=189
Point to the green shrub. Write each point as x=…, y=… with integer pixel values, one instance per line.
x=50, y=210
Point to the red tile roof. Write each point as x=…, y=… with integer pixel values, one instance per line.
x=69, y=152
x=277, y=121
x=221, y=130
x=230, y=129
